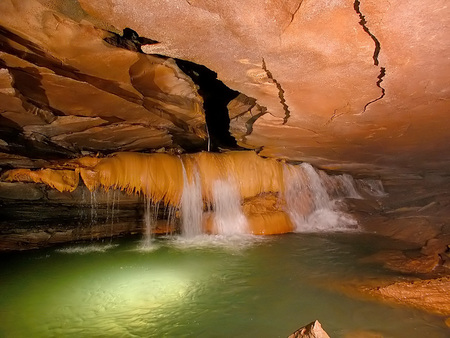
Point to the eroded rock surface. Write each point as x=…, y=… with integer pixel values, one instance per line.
x=355, y=85
x=65, y=89
x=430, y=294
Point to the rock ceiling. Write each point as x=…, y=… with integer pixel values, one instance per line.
x=360, y=86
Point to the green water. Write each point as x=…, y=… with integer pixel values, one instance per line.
x=208, y=287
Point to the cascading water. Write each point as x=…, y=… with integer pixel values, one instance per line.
x=228, y=216
x=308, y=201
x=245, y=193
x=191, y=205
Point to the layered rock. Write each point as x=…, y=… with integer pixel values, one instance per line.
x=65, y=89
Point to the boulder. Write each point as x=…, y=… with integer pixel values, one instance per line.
x=312, y=330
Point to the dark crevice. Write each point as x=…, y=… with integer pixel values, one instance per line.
x=18, y=144
x=252, y=120
x=129, y=40
x=363, y=23
x=287, y=112
x=216, y=96
x=383, y=91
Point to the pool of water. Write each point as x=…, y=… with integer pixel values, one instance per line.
x=210, y=286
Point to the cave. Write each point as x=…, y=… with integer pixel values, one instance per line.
x=220, y=169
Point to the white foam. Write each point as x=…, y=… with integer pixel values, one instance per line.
x=228, y=216
x=86, y=249
x=234, y=242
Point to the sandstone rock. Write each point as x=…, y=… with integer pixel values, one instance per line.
x=398, y=261
x=312, y=330
x=317, y=84
x=432, y=295
x=416, y=230
x=20, y=191
x=93, y=94
x=436, y=245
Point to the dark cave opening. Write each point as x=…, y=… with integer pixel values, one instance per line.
x=216, y=96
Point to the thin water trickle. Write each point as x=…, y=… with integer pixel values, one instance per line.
x=151, y=212
x=94, y=206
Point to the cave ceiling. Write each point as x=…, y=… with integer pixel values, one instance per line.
x=360, y=86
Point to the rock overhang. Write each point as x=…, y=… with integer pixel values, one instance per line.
x=359, y=87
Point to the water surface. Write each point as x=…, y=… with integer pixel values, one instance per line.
x=209, y=286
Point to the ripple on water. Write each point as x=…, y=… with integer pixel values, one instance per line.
x=233, y=243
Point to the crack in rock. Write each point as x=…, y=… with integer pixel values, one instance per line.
x=363, y=23
x=383, y=91
x=287, y=112
x=294, y=13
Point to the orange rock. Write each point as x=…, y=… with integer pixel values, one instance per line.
x=271, y=223
x=397, y=261
x=61, y=180
x=432, y=295
x=447, y=322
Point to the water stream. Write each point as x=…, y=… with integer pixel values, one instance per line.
x=228, y=216
x=191, y=205
x=213, y=286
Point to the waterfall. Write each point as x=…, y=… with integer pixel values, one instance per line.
x=308, y=201
x=228, y=216
x=191, y=205
x=246, y=193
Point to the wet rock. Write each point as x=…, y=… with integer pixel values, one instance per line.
x=432, y=295
x=21, y=191
x=312, y=330
x=399, y=261
x=26, y=239
x=416, y=230
x=436, y=246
